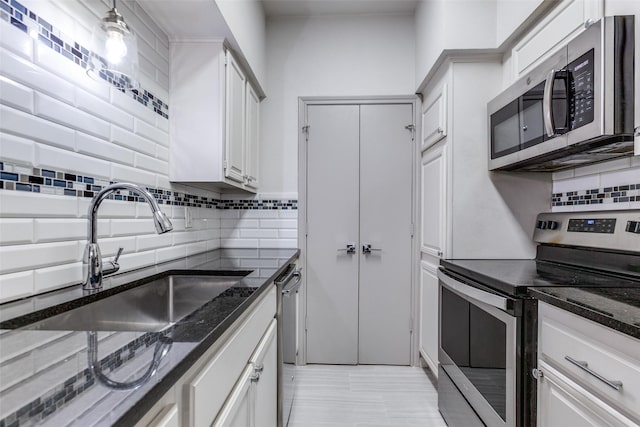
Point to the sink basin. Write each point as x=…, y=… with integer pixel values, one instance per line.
x=150, y=307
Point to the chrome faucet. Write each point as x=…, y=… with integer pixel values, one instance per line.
x=92, y=257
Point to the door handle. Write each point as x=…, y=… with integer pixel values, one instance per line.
x=350, y=248
x=547, y=101
x=367, y=249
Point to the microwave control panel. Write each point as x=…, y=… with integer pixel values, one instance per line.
x=581, y=90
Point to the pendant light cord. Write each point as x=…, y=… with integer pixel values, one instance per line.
x=114, y=4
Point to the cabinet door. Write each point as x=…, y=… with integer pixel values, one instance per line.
x=234, y=121
x=434, y=181
x=238, y=409
x=252, y=136
x=168, y=417
x=434, y=119
x=265, y=382
x=561, y=402
x=429, y=315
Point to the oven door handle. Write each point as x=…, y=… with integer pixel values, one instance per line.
x=488, y=298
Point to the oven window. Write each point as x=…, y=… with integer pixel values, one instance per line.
x=476, y=342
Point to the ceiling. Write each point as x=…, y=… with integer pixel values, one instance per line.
x=337, y=7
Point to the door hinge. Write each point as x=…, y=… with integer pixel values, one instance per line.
x=306, y=323
x=411, y=128
x=412, y=229
x=537, y=373
x=306, y=229
x=305, y=130
x=226, y=164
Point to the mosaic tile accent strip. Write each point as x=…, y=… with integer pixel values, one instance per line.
x=619, y=194
x=64, y=393
x=16, y=14
x=68, y=183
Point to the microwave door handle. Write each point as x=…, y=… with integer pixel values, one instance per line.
x=547, y=104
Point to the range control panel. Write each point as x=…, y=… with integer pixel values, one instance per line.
x=617, y=230
x=592, y=225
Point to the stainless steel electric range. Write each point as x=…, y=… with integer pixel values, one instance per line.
x=488, y=323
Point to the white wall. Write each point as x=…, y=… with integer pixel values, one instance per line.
x=326, y=56
x=246, y=20
x=451, y=24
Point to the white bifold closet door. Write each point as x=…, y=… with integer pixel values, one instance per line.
x=359, y=192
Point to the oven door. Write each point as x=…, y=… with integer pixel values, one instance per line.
x=478, y=347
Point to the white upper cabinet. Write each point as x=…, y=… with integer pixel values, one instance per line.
x=563, y=23
x=252, y=134
x=214, y=118
x=235, y=120
x=434, y=118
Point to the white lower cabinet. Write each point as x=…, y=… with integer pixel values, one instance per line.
x=562, y=402
x=253, y=401
x=429, y=315
x=588, y=374
x=234, y=383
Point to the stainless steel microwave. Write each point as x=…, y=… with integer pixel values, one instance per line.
x=575, y=108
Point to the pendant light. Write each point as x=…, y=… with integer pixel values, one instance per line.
x=114, y=57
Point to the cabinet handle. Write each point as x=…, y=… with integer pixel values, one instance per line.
x=350, y=248
x=616, y=385
x=440, y=130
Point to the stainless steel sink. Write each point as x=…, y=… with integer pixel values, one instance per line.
x=150, y=307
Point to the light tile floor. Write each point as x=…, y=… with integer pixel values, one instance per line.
x=364, y=396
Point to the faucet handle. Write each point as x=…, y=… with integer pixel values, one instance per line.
x=111, y=267
x=120, y=250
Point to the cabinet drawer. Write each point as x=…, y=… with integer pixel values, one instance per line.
x=209, y=390
x=567, y=341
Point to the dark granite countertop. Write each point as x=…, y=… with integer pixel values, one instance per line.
x=616, y=308
x=44, y=376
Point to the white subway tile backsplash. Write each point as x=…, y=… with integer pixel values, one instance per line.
x=597, y=168
x=58, y=229
x=58, y=276
x=15, y=148
x=154, y=241
x=55, y=158
x=123, y=173
x=132, y=261
x=99, y=108
x=103, y=149
x=169, y=253
x=259, y=214
x=239, y=223
x=23, y=71
x=151, y=164
x=16, y=95
x=131, y=227
x=109, y=246
x=278, y=243
x=16, y=41
x=20, y=257
x=129, y=105
x=59, y=350
x=132, y=141
x=184, y=237
x=16, y=231
x=108, y=209
x=288, y=234
x=18, y=204
x=210, y=234
x=249, y=233
x=196, y=248
x=584, y=182
x=16, y=285
x=278, y=223
x=148, y=131
x=16, y=370
x=26, y=125
x=230, y=233
x=57, y=64
x=162, y=153
x=149, y=51
x=621, y=177
x=239, y=243
x=67, y=115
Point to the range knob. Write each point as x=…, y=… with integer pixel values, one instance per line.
x=633, y=227
x=547, y=225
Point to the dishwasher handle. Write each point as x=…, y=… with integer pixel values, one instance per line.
x=284, y=282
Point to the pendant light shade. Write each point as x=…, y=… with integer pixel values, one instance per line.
x=114, y=58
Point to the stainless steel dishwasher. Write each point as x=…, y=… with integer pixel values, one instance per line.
x=288, y=285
